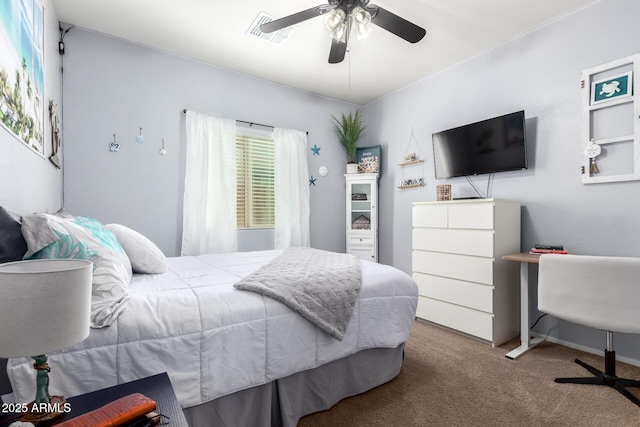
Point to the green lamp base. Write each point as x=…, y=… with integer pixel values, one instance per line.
x=44, y=407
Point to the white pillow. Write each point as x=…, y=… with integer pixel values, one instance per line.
x=145, y=256
x=50, y=236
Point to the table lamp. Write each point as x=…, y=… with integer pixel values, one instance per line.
x=44, y=306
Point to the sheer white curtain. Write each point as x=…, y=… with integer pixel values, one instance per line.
x=209, y=215
x=291, y=189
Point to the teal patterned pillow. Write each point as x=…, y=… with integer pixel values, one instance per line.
x=51, y=236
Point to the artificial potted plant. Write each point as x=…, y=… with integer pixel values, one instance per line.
x=348, y=129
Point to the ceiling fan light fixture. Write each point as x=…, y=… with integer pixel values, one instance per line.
x=362, y=31
x=340, y=32
x=361, y=21
x=361, y=15
x=335, y=19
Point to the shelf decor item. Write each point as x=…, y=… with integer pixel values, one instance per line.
x=443, y=192
x=44, y=306
x=410, y=183
x=411, y=158
x=349, y=129
x=361, y=223
x=369, y=159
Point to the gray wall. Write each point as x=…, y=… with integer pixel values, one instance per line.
x=115, y=87
x=28, y=181
x=539, y=72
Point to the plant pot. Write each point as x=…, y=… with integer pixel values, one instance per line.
x=352, y=168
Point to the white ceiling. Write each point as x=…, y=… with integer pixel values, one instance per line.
x=215, y=32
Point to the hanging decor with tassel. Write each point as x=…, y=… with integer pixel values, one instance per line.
x=592, y=150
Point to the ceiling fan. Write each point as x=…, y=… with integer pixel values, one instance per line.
x=342, y=16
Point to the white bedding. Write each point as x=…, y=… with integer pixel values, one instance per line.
x=214, y=339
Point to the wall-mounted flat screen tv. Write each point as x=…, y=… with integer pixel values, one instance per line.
x=493, y=145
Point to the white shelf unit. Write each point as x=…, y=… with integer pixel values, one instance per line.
x=362, y=242
x=464, y=284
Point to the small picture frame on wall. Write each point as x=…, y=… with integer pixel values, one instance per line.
x=616, y=87
x=369, y=159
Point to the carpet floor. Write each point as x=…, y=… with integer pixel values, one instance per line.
x=451, y=380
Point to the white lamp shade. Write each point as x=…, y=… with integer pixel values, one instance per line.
x=44, y=305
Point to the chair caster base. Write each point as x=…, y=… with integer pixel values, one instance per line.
x=604, y=378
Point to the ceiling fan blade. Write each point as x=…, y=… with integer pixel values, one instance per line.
x=338, y=52
x=395, y=24
x=287, y=21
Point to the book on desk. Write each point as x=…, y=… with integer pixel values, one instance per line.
x=548, y=249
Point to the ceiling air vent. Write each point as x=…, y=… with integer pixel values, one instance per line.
x=277, y=37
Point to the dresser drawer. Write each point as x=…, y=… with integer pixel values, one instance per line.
x=467, y=294
x=462, y=267
x=472, y=215
x=429, y=216
x=472, y=322
x=464, y=242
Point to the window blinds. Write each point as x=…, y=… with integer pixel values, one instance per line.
x=255, y=202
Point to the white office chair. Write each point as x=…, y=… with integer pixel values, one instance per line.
x=596, y=291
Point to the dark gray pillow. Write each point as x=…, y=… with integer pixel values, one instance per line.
x=12, y=244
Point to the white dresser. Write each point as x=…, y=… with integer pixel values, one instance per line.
x=457, y=262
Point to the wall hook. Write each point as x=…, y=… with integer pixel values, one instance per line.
x=114, y=146
x=139, y=137
x=162, y=151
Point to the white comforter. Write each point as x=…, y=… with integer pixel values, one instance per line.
x=214, y=339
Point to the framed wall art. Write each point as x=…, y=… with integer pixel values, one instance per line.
x=369, y=159
x=22, y=106
x=611, y=88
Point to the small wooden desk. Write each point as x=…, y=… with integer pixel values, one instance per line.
x=526, y=341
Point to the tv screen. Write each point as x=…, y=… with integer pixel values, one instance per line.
x=488, y=146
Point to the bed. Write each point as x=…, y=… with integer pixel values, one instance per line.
x=236, y=357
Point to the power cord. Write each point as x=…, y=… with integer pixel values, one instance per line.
x=537, y=320
x=476, y=188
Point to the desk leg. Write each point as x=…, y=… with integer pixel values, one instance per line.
x=526, y=342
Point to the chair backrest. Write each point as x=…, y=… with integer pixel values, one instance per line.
x=596, y=291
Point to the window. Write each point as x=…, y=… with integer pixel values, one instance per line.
x=255, y=204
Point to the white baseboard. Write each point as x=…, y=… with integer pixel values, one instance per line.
x=599, y=352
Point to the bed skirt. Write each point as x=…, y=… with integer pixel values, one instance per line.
x=281, y=403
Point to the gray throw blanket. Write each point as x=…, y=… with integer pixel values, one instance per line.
x=322, y=286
